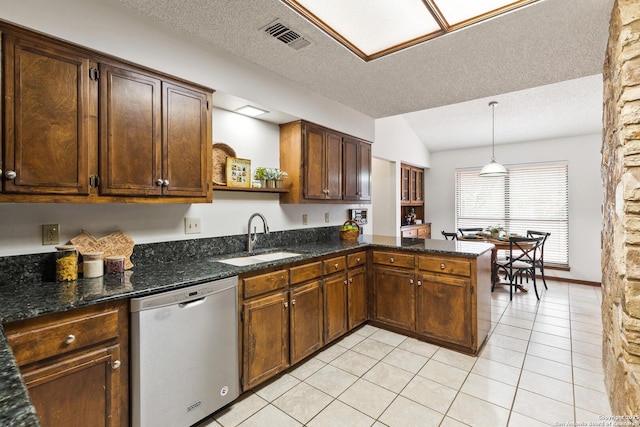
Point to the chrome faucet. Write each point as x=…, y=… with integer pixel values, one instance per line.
x=251, y=240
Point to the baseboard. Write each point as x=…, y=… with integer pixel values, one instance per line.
x=569, y=280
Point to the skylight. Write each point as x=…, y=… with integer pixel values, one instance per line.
x=372, y=29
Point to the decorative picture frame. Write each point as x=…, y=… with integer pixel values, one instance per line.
x=238, y=172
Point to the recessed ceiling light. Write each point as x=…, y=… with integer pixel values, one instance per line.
x=250, y=111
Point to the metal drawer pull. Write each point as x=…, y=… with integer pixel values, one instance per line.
x=10, y=174
x=442, y=266
x=159, y=182
x=419, y=282
x=358, y=260
x=335, y=265
x=71, y=338
x=116, y=364
x=391, y=259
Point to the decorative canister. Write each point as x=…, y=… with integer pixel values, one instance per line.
x=66, y=263
x=115, y=264
x=92, y=264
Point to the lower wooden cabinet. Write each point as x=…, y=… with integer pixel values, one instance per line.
x=265, y=338
x=356, y=297
x=335, y=306
x=75, y=365
x=306, y=320
x=394, y=297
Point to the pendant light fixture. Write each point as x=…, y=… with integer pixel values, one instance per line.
x=493, y=168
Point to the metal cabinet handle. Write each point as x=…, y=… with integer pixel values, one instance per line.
x=293, y=302
x=159, y=182
x=71, y=338
x=165, y=183
x=442, y=266
x=351, y=280
x=345, y=282
x=10, y=174
x=419, y=282
x=411, y=281
x=116, y=364
x=286, y=304
x=391, y=259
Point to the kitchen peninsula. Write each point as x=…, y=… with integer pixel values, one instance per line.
x=447, y=283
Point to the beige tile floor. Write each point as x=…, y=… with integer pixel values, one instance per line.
x=540, y=366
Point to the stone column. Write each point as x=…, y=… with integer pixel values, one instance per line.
x=621, y=211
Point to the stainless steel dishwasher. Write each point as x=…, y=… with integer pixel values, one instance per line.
x=184, y=354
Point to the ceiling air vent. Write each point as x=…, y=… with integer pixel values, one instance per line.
x=286, y=35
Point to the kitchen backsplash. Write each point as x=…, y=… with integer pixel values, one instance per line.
x=41, y=267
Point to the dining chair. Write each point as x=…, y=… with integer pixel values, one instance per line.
x=539, y=261
x=466, y=231
x=450, y=235
x=520, y=261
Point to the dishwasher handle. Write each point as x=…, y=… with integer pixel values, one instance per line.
x=192, y=303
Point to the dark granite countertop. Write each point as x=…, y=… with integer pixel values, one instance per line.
x=30, y=298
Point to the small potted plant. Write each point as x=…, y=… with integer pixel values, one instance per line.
x=494, y=230
x=260, y=174
x=274, y=177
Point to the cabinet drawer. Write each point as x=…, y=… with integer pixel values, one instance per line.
x=334, y=265
x=264, y=283
x=424, y=232
x=41, y=341
x=459, y=267
x=305, y=272
x=410, y=233
x=394, y=258
x=354, y=260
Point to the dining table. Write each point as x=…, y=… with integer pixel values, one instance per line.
x=499, y=244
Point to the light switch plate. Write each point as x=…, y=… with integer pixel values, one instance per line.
x=305, y=219
x=326, y=217
x=50, y=234
x=192, y=226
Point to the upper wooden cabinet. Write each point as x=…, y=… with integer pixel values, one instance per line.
x=412, y=185
x=356, y=169
x=319, y=168
x=81, y=126
x=159, y=127
x=46, y=120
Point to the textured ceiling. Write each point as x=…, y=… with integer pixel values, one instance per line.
x=542, y=44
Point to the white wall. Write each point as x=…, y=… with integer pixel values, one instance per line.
x=396, y=143
x=585, y=192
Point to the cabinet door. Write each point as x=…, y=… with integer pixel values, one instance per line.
x=46, y=132
x=364, y=172
x=306, y=320
x=82, y=390
x=265, y=339
x=350, y=170
x=335, y=306
x=333, y=165
x=394, y=299
x=130, y=132
x=314, y=159
x=405, y=182
x=444, y=308
x=357, y=297
x=357, y=169
x=419, y=185
x=185, y=141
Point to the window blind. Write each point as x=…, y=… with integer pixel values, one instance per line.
x=530, y=197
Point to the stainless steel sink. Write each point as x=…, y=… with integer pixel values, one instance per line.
x=257, y=259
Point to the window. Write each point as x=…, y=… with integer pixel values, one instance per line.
x=530, y=197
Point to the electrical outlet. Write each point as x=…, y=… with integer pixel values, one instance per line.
x=326, y=217
x=50, y=234
x=192, y=226
x=305, y=219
